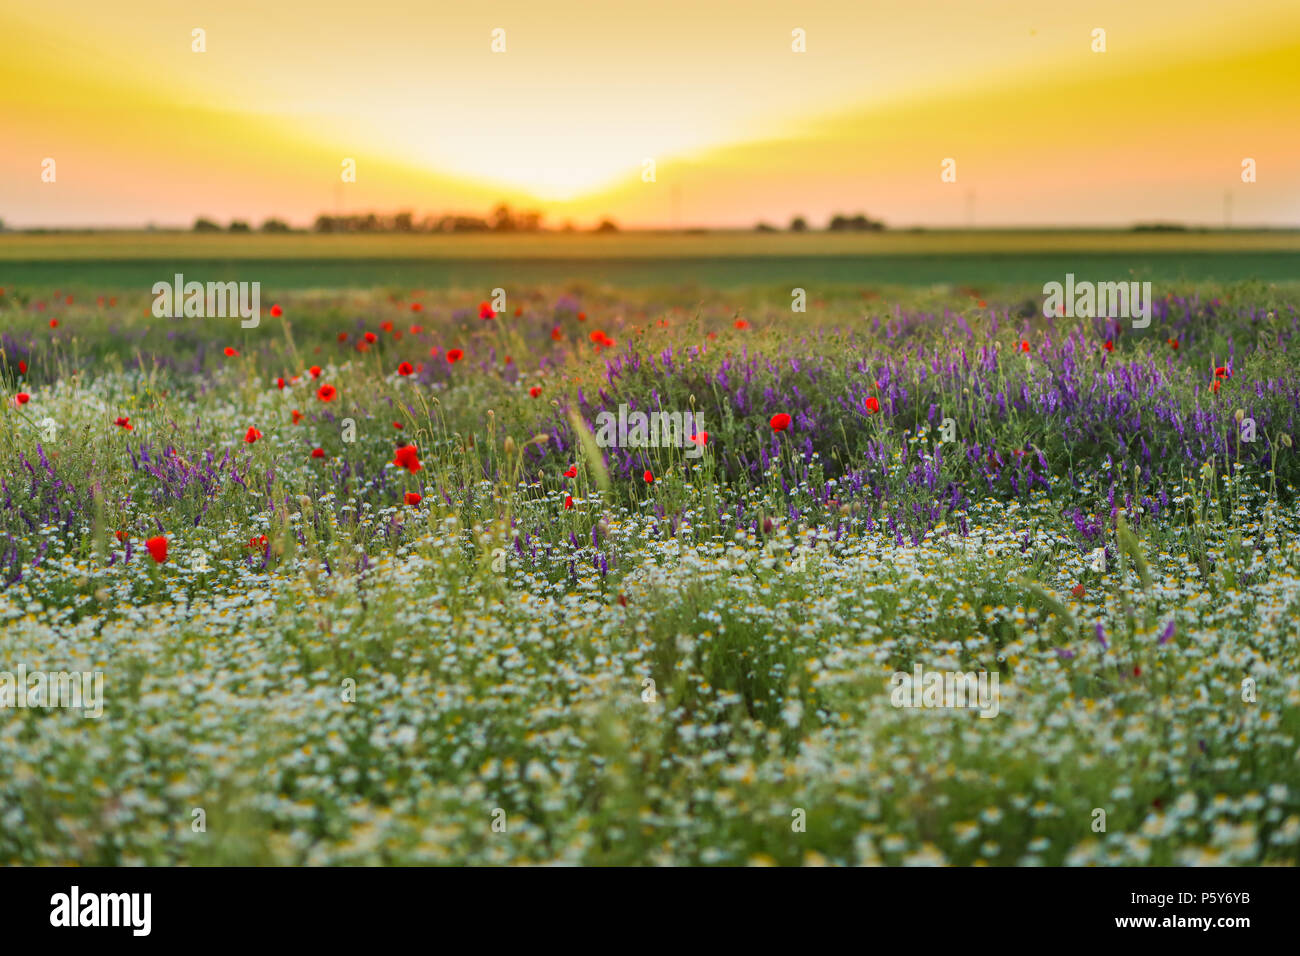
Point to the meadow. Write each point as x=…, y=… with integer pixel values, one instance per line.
x=364, y=588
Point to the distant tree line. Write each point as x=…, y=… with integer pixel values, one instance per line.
x=502, y=219
x=838, y=223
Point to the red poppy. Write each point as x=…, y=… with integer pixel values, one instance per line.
x=417, y=329
x=712, y=336
x=314, y=371
x=256, y=542
x=572, y=472
x=124, y=423
x=873, y=405
x=157, y=548
x=582, y=316
x=386, y=326
x=54, y=323
x=535, y=391
x=22, y=367
x=416, y=307
x=1173, y=344
x=297, y=416
x=649, y=478
x=23, y=398
x=405, y=369
x=397, y=425
x=121, y=535
x=742, y=324
x=519, y=310
x=568, y=501
x=1222, y=372
x=701, y=439
x=318, y=452
x=780, y=422
x=412, y=498
x=371, y=337
x=982, y=304
x=485, y=310
x=231, y=352
x=454, y=355
x=555, y=334
x=279, y=383
x=1078, y=591
x=252, y=435
x=276, y=311
x=343, y=336
x=1215, y=387
x=1108, y=345
x=408, y=457
x=1024, y=346
x=326, y=393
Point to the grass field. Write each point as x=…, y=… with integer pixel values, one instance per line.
x=713, y=260
x=366, y=584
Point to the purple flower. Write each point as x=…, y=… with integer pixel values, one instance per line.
x=1167, y=633
x=1101, y=637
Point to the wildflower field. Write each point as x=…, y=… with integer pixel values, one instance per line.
x=365, y=587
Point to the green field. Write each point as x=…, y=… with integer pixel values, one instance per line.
x=718, y=259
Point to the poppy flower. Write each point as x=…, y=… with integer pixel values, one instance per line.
x=416, y=307
x=252, y=435
x=297, y=416
x=1173, y=344
x=256, y=542
x=701, y=439
x=386, y=326
x=742, y=324
x=279, y=383
x=314, y=371
x=712, y=336
x=157, y=548
x=485, y=310
x=535, y=391
x=873, y=405
x=780, y=422
x=408, y=457
x=371, y=337
x=582, y=316
x=121, y=535
x=405, y=368
x=343, y=336
x=1215, y=387
x=1222, y=372
x=231, y=352
x=555, y=334
x=572, y=472
x=326, y=393
x=982, y=304
x=417, y=329
x=454, y=355
x=649, y=478
x=124, y=423
x=22, y=398
x=519, y=310
x=318, y=452
x=276, y=311
x=1108, y=345
x=22, y=367
x=412, y=498
x=1024, y=346
x=1078, y=591
x=568, y=501
x=397, y=425
x=54, y=323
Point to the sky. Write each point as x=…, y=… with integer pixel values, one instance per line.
x=1041, y=128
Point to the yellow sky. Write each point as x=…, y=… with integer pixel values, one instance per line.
x=741, y=128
